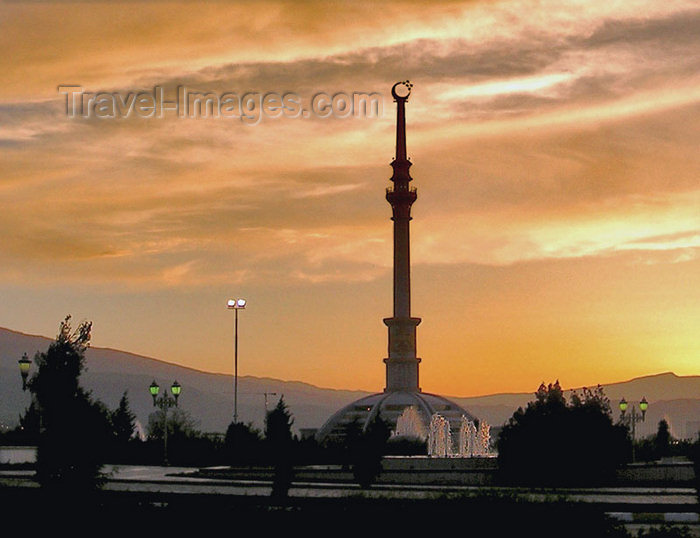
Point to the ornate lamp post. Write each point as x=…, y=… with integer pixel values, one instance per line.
x=165, y=402
x=24, y=365
x=235, y=305
x=630, y=419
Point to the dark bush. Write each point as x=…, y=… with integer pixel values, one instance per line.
x=554, y=443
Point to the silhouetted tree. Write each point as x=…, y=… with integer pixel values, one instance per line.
x=644, y=449
x=662, y=440
x=552, y=443
x=184, y=440
x=29, y=423
x=368, y=452
x=27, y=430
x=278, y=436
x=180, y=423
x=123, y=421
x=74, y=429
x=243, y=444
x=352, y=432
x=309, y=451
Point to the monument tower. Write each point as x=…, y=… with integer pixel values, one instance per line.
x=402, y=383
x=402, y=363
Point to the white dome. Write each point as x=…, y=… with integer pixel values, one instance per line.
x=390, y=405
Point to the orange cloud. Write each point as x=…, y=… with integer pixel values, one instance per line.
x=554, y=149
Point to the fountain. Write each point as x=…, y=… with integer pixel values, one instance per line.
x=472, y=441
x=483, y=438
x=139, y=431
x=410, y=424
x=439, y=437
x=467, y=438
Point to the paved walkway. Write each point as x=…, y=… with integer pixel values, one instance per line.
x=180, y=480
x=176, y=480
x=636, y=507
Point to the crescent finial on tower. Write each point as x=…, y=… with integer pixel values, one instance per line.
x=406, y=84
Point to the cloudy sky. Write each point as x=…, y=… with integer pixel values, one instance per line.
x=555, y=147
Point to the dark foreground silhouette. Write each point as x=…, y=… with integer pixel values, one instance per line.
x=483, y=514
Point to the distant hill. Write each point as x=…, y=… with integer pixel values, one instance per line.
x=209, y=397
x=671, y=397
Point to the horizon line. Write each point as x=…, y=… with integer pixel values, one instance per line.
x=161, y=361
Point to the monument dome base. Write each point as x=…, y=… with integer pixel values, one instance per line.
x=389, y=406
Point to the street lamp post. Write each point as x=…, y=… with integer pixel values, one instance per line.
x=165, y=402
x=24, y=365
x=630, y=419
x=235, y=305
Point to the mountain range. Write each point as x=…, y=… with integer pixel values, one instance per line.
x=208, y=397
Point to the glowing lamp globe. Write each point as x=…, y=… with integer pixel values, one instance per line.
x=623, y=405
x=24, y=364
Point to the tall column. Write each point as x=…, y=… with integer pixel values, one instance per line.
x=402, y=363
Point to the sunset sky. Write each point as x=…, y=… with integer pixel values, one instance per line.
x=556, y=154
